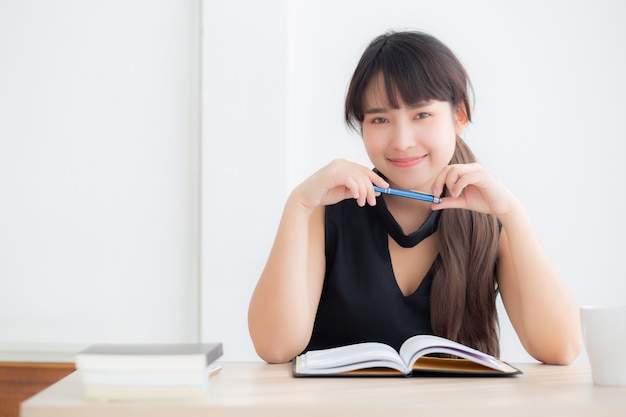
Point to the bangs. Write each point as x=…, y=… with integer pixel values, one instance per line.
x=410, y=78
x=414, y=68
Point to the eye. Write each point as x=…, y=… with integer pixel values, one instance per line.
x=422, y=115
x=379, y=120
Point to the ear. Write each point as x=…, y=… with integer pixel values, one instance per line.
x=461, y=120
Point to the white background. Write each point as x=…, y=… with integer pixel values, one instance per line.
x=112, y=229
x=99, y=171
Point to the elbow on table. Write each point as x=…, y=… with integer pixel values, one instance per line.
x=273, y=353
x=278, y=347
x=276, y=357
x=278, y=338
x=560, y=354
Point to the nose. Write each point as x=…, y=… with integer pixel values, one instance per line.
x=404, y=136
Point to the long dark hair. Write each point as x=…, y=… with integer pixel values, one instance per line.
x=418, y=67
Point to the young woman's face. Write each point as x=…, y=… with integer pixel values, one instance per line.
x=412, y=144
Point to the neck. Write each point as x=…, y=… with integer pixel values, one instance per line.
x=410, y=214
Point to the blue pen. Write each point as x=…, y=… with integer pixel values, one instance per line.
x=416, y=195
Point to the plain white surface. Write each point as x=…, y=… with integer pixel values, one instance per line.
x=99, y=199
x=604, y=331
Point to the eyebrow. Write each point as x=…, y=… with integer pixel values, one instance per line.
x=375, y=111
x=384, y=110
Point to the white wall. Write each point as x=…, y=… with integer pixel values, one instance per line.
x=99, y=147
x=99, y=172
x=244, y=156
x=549, y=84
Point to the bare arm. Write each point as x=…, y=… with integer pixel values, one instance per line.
x=283, y=306
x=540, y=307
x=284, y=303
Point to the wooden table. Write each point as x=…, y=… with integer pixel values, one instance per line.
x=258, y=389
x=27, y=368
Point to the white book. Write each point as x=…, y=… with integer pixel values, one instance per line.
x=157, y=356
x=372, y=358
x=149, y=378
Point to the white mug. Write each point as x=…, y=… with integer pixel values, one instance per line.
x=604, y=332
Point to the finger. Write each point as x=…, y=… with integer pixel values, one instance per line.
x=374, y=179
x=450, y=203
x=371, y=194
x=448, y=179
x=377, y=179
x=352, y=188
x=467, y=179
x=440, y=181
x=453, y=185
x=363, y=183
x=459, y=177
x=363, y=186
x=362, y=198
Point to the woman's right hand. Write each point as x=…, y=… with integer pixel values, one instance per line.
x=337, y=181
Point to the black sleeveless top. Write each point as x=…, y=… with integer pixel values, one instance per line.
x=361, y=300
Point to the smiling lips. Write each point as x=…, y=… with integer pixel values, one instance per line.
x=407, y=162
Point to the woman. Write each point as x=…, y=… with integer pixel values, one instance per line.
x=349, y=265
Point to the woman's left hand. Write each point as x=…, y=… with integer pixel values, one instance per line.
x=471, y=187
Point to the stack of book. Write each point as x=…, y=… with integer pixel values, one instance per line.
x=147, y=371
